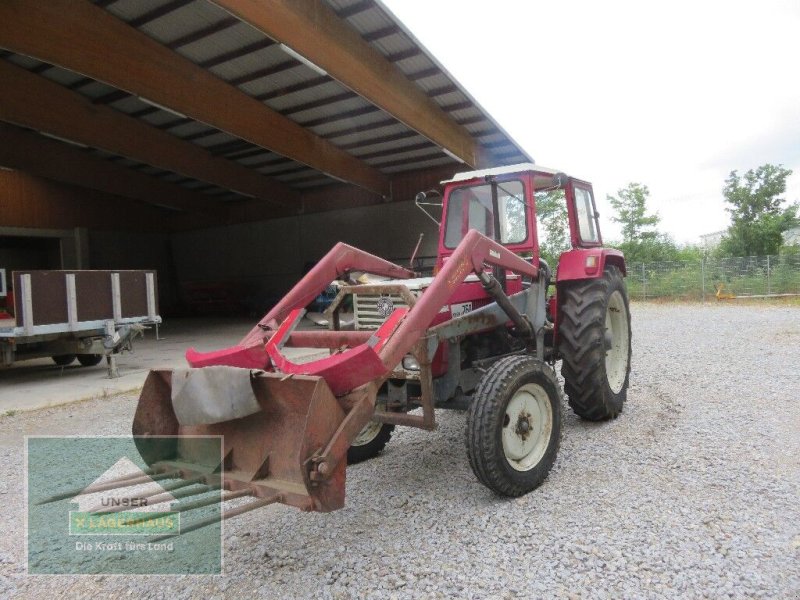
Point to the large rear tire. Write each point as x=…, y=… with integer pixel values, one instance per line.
x=369, y=442
x=594, y=335
x=514, y=425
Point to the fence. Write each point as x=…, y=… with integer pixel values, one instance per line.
x=700, y=280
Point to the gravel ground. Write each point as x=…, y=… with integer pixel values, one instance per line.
x=692, y=492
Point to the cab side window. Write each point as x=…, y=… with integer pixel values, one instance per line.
x=587, y=221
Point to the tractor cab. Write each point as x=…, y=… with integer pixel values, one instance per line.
x=500, y=203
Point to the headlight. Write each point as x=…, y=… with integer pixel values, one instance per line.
x=410, y=363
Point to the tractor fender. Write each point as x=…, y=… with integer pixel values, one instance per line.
x=578, y=264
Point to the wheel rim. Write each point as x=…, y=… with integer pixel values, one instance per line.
x=617, y=341
x=369, y=433
x=527, y=427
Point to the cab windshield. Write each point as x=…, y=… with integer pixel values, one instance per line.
x=473, y=207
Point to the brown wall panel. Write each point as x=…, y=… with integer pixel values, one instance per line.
x=93, y=290
x=48, y=297
x=338, y=197
x=133, y=286
x=28, y=201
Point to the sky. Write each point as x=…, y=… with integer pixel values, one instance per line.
x=674, y=95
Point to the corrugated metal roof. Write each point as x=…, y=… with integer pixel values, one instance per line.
x=239, y=54
x=128, y=10
x=181, y=21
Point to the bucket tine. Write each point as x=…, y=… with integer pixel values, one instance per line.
x=110, y=485
x=180, y=484
x=200, y=503
x=228, y=514
x=121, y=478
x=166, y=496
x=161, y=495
x=208, y=501
x=186, y=493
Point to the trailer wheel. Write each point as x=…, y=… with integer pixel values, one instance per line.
x=89, y=360
x=62, y=360
x=514, y=425
x=369, y=442
x=595, y=344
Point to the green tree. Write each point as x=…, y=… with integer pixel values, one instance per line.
x=655, y=247
x=758, y=214
x=641, y=242
x=630, y=203
x=689, y=253
x=552, y=225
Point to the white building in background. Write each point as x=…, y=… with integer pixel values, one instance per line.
x=709, y=241
x=791, y=237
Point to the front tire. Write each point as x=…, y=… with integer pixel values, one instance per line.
x=369, y=442
x=62, y=360
x=514, y=425
x=595, y=344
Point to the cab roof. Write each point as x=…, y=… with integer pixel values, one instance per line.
x=506, y=170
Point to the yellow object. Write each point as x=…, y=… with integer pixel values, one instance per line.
x=722, y=294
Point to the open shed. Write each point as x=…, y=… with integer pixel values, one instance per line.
x=224, y=143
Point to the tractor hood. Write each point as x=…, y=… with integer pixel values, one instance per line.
x=417, y=284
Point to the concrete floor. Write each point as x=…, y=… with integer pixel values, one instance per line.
x=38, y=383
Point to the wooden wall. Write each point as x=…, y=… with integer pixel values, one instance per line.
x=238, y=245
x=28, y=201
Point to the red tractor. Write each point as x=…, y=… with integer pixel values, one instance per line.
x=482, y=334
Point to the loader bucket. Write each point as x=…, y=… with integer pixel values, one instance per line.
x=273, y=425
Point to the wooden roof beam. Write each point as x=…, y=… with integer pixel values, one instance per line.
x=35, y=154
x=88, y=40
x=312, y=29
x=33, y=101
x=206, y=64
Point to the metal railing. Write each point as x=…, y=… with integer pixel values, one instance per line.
x=752, y=276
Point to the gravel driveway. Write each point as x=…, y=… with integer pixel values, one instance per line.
x=692, y=492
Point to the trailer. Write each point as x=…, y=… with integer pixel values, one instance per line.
x=75, y=315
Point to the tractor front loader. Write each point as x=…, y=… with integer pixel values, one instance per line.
x=483, y=334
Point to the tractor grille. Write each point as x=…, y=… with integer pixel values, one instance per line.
x=371, y=310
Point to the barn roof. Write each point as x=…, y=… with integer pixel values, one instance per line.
x=196, y=105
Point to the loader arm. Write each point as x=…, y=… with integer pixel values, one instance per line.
x=250, y=353
x=340, y=260
x=287, y=427
x=377, y=356
x=470, y=256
